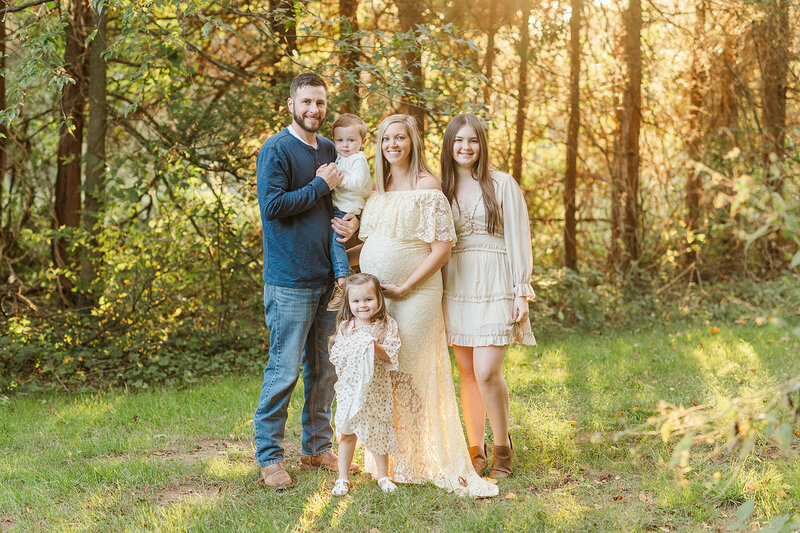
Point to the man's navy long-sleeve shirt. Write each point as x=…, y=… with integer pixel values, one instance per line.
x=296, y=210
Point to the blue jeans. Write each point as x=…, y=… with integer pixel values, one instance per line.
x=299, y=327
x=341, y=266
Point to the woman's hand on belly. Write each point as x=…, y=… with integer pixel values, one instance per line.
x=390, y=290
x=433, y=262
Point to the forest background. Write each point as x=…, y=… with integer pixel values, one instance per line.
x=656, y=144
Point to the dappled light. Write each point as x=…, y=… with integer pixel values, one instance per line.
x=315, y=505
x=224, y=469
x=634, y=163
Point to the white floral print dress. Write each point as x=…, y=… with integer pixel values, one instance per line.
x=364, y=388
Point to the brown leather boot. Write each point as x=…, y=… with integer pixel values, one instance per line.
x=479, y=460
x=502, y=457
x=327, y=461
x=336, y=298
x=275, y=477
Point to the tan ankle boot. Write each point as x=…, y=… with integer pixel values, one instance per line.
x=502, y=457
x=275, y=477
x=479, y=460
x=336, y=298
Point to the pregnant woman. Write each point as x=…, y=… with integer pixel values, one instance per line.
x=487, y=285
x=407, y=229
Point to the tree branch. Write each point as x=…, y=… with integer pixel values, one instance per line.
x=23, y=6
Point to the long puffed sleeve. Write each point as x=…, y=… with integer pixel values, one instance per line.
x=391, y=343
x=517, y=234
x=337, y=352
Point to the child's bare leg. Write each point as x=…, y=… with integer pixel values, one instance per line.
x=347, y=448
x=384, y=482
x=382, y=465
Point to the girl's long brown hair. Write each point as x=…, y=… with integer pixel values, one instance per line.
x=346, y=315
x=480, y=171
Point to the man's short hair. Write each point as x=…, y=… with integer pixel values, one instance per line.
x=347, y=119
x=306, y=78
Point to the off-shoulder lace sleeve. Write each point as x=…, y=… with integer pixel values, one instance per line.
x=421, y=214
x=391, y=342
x=436, y=222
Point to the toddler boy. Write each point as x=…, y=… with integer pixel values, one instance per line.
x=349, y=137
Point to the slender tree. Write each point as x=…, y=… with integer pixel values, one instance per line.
x=694, y=185
x=629, y=130
x=283, y=23
x=522, y=89
x=773, y=41
x=617, y=189
x=96, y=143
x=410, y=15
x=350, y=55
x=3, y=128
x=73, y=104
x=490, y=51
x=728, y=111
x=570, y=251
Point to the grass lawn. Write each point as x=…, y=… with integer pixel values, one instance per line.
x=177, y=460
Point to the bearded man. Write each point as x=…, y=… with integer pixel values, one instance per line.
x=295, y=175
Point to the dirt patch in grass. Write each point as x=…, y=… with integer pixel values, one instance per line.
x=207, y=449
x=6, y=523
x=186, y=493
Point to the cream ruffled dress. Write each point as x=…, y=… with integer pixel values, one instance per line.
x=398, y=228
x=486, y=271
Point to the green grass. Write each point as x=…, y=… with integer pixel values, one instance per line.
x=177, y=460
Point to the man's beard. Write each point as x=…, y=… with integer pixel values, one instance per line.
x=300, y=122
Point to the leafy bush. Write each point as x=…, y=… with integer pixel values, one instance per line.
x=176, y=297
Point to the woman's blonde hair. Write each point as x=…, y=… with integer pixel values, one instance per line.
x=480, y=170
x=346, y=315
x=416, y=166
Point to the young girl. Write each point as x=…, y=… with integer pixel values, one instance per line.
x=363, y=351
x=487, y=286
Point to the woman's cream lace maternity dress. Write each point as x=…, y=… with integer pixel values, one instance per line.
x=398, y=227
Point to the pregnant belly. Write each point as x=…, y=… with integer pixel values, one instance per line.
x=394, y=260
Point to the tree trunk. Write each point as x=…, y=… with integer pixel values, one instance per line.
x=570, y=247
x=617, y=194
x=96, y=147
x=490, y=52
x=73, y=103
x=3, y=129
x=629, y=130
x=409, y=16
x=283, y=24
x=773, y=44
x=694, y=185
x=728, y=109
x=350, y=55
x=522, y=98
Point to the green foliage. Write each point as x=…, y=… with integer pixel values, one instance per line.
x=590, y=299
x=779, y=524
x=177, y=296
x=194, y=89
